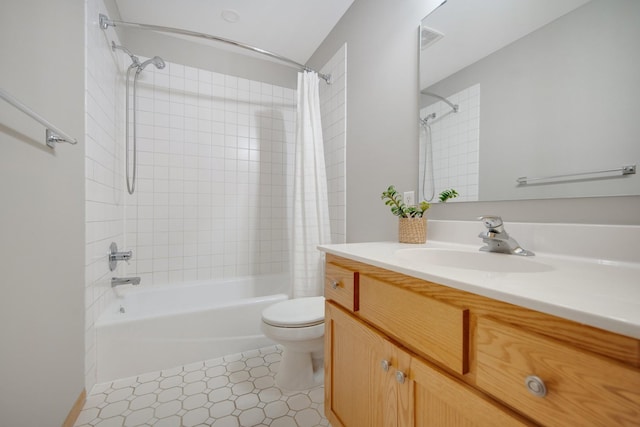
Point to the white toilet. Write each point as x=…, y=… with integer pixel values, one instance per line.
x=297, y=325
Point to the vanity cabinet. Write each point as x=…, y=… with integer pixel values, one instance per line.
x=371, y=381
x=401, y=351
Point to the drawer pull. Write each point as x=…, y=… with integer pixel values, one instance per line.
x=334, y=284
x=385, y=365
x=536, y=386
x=400, y=376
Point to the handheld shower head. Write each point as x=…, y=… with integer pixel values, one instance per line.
x=156, y=60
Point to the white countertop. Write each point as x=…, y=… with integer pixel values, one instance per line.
x=599, y=293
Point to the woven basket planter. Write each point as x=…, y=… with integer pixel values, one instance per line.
x=412, y=230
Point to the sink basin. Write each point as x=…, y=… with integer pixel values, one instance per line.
x=480, y=261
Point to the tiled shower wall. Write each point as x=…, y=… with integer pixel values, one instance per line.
x=455, y=139
x=333, y=109
x=215, y=157
x=104, y=189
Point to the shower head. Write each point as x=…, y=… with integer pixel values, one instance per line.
x=156, y=60
x=425, y=121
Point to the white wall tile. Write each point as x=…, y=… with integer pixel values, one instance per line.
x=454, y=140
x=105, y=210
x=201, y=136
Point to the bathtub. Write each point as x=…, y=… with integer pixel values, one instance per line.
x=158, y=328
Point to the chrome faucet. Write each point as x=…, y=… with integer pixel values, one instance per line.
x=498, y=240
x=117, y=281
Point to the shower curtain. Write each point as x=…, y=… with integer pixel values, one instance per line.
x=311, y=226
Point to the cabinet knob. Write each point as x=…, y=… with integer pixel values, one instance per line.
x=536, y=386
x=400, y=377
x=385, y=364
x=334, y=284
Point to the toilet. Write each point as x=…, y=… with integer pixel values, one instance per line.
x=297, y=325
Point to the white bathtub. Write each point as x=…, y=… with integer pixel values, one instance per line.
x=163, y=327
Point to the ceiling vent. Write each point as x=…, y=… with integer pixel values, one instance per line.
x=428, y=36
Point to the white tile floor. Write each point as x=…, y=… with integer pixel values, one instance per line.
x=236, y=390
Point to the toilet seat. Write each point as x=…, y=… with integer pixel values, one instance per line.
x=295, y=313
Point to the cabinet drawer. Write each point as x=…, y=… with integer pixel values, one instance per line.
x=341, y=286
x=421, y=323
x=581, y=388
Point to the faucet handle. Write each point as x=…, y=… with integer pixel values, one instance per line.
x=491, y=221
x=115, y=256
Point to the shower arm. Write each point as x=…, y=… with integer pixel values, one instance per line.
x=134, y=59
x=105, y=23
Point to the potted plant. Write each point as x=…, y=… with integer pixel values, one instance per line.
x=412, y=225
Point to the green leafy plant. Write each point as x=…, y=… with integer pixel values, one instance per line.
x=448, y=194
x=393, y=199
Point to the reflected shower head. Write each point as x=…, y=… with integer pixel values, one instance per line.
x=425, y=121
x=156, y=60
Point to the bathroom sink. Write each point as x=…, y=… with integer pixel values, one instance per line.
x=467, y=260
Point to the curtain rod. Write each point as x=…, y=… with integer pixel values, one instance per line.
x=105, y=23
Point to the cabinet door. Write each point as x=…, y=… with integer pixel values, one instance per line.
x=359, y=391
x=436, y=399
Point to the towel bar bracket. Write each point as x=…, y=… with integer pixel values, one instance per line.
x=52, y=138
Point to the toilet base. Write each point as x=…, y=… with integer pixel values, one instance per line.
x=300, y=370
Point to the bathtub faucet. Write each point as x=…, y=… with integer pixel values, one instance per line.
x=116, y=281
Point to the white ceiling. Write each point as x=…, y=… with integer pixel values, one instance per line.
x=291, y=28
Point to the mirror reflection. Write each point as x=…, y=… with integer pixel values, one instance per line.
x=531, y=99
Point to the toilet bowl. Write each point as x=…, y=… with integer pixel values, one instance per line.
x=297, y=325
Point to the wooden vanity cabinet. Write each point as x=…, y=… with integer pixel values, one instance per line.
x=403, y=352
x=371, y=381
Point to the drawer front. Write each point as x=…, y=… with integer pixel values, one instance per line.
x=421, y=323
x=581, y=388
x=341, y=286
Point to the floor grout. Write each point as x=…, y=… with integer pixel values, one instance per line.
x=232, y=391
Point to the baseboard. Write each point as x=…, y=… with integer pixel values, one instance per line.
x=75, y=410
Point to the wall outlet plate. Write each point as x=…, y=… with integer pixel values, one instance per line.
x=409, y=198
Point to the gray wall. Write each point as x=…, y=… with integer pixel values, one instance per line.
x=382, y=105
x=42, y=213
x=382, y=130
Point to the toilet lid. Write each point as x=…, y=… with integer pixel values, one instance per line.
x=295, y=313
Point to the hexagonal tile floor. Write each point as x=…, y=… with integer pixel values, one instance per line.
x=233, y=391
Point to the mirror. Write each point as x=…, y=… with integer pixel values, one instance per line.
x=546, y=96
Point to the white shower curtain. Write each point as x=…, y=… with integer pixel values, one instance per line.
x=311, y=226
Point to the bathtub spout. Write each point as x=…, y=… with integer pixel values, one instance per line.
x=116, y=281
